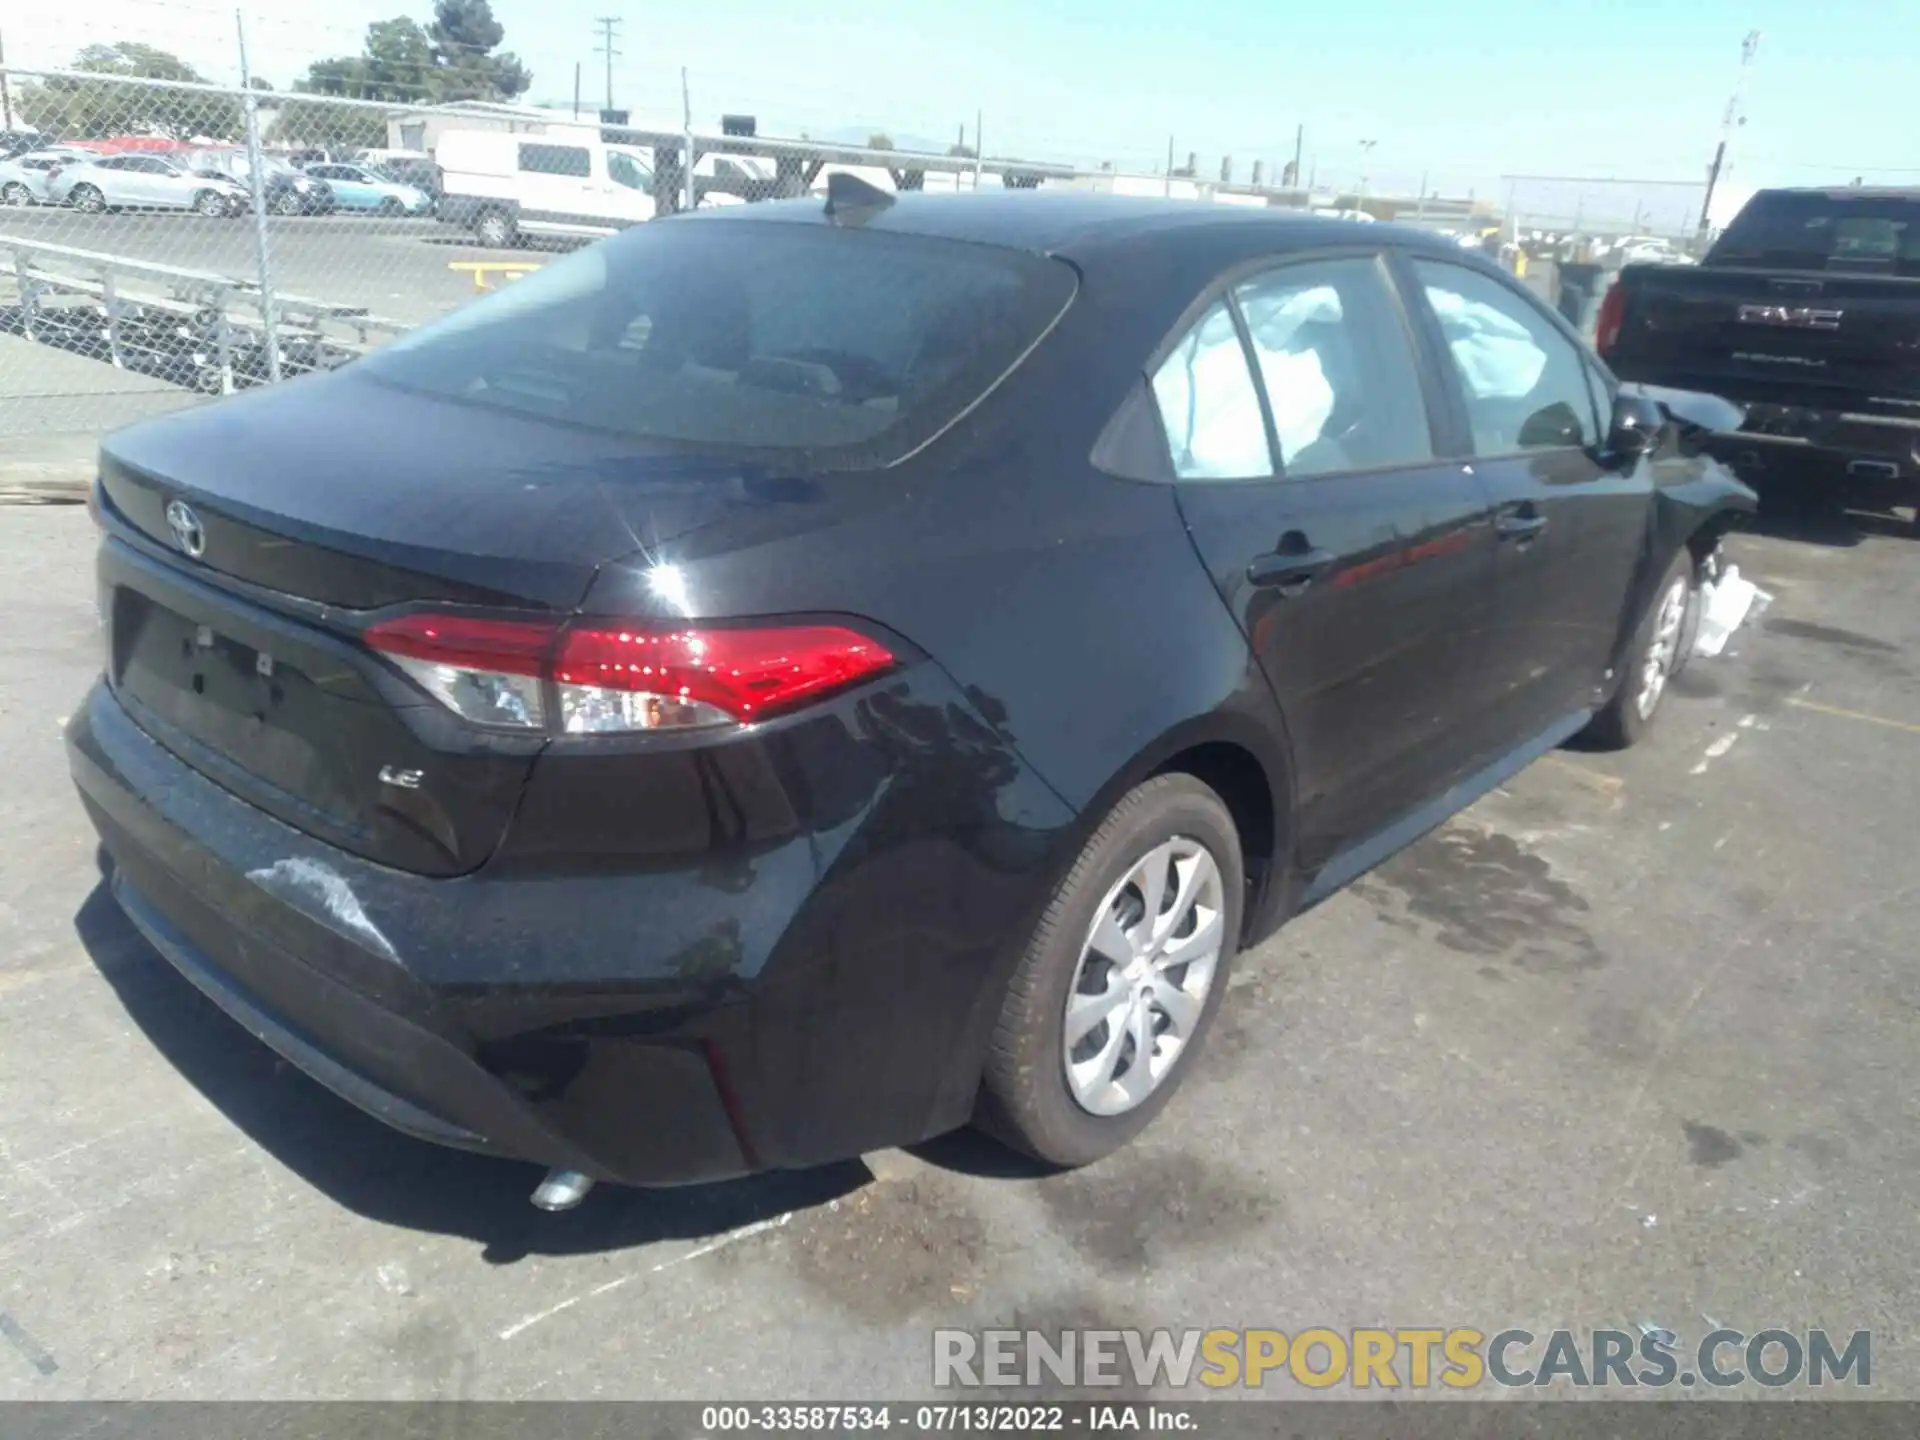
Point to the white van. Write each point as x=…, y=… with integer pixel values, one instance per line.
x=502, y=186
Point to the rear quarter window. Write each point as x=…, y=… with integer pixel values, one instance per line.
x=821, y=346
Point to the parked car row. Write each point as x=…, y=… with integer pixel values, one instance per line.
x=213, y=182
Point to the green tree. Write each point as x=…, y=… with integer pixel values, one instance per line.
x=465, y=36
x=90, y=109
x=403, y=63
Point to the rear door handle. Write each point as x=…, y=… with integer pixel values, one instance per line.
x=1522, y=524
x=1288, y=571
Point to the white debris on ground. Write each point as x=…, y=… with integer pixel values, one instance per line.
x=1728, y=600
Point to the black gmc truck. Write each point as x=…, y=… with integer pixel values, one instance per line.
x=1806, y=312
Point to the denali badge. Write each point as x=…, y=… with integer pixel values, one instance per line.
x=185, y=525
x=1798, y=317
x=403, y=779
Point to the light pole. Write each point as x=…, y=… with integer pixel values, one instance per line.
x=1366, y=152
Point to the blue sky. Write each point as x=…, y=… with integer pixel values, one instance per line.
x=1461, y=93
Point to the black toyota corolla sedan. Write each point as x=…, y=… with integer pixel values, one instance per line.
x=797, y=679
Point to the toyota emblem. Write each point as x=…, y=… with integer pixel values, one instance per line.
x=188, y=533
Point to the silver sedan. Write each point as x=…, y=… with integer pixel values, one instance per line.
x=143, y=182
x=25, y=178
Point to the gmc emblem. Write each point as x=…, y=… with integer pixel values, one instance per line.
x=1797, y=317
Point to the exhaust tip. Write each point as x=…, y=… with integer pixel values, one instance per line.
x=562, y=1190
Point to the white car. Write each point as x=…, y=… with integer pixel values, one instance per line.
x=1650, y=250
x=25, y=178
x=143, y=182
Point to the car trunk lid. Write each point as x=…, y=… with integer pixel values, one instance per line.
x=267, y=535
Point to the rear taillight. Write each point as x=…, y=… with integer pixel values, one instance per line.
x=1606, y=326
x=594, y=677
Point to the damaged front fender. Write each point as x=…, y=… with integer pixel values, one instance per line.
x=1696, y=497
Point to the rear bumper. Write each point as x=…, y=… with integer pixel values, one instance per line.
x=1851, y=445
x=291, y=938
x=811, y=997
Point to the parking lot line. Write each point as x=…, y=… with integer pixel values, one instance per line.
x=1845, y=714
x=719, y=1242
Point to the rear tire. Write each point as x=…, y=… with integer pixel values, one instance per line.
x=495, y=229
x=1659, y=652
x=16, y=194
x=1070, y=1104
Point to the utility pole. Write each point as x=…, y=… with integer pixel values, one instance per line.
x=686, y=116
x=6, y=95
x=1733, y=118
x=576, y=89
x=1299, y=140
x=1169, y=184
x=608, y=24
x=257, y=186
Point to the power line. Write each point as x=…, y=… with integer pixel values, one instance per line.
x=608, y=25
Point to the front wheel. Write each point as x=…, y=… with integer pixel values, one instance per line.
x=16, y=194
x=210, y=203
x=286, y=203
x=87, y=198
x=1658, y=653
x=1116, y=991
x=391, y=209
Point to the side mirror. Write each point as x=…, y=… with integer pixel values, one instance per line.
x=1636, y=427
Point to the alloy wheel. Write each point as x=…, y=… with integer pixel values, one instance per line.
x=1144, y=973
x=1663, y=648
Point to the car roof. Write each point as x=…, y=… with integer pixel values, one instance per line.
x=1069, y=223
x=1847, y=192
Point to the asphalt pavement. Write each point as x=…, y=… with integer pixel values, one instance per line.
x=1633, y=1042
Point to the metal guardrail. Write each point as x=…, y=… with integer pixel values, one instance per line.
x=208, y=330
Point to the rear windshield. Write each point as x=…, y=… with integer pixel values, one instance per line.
x=842, y=348
x=1867, y=235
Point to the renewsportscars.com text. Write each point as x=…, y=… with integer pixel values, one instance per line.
x=1458, y=1358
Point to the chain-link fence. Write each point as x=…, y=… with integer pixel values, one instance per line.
x=162, y=241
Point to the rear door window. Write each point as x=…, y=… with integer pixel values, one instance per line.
x=573, y=160
x=1338, y=367
x=841, y=348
